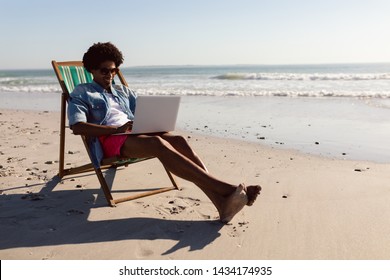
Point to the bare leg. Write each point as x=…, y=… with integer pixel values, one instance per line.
x=181, y=145
x=223, y=195
x=146, y=145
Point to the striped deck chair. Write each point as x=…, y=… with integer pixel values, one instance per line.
x=69, y=75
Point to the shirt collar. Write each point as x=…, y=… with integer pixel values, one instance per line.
x=99, y=88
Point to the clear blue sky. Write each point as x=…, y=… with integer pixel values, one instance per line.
x=201, y=32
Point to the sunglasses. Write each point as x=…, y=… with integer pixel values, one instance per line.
x=106, y=71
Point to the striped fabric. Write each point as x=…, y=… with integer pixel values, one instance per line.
x=74, y=75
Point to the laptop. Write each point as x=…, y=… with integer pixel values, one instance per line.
x=155, y=114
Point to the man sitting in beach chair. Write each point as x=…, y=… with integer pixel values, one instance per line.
x=101, y=110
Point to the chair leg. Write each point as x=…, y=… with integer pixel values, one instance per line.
x=105, y=187
x=61, y=172
x=172, y=179
x=143, y=194
x=112, y=202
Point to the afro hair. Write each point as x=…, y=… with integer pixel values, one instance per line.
x=99, y=53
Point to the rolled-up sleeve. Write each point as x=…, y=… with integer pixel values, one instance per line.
x=132, y=99
x=77, y=107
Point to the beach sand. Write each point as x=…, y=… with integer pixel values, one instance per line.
x=311, y=207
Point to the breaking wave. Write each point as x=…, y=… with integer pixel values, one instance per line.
x=302, y=77
x=359, y=81
x=28, y=84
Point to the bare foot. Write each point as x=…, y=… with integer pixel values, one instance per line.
x=234, y=203
x=252, y=192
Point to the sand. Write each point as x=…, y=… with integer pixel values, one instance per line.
x=311, y=207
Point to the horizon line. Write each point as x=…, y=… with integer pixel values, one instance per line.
x=216, y=65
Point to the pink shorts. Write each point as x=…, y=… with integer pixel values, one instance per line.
x=112, y=144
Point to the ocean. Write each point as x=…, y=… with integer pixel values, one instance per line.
x=333, y=110
x=332, y=80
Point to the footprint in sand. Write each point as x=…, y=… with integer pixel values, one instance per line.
x=143, y=253
x=188, y=205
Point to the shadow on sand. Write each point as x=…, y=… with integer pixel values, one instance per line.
x=47, y=218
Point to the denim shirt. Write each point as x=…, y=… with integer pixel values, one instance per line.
x=88, y=103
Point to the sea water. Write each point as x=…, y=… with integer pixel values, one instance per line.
x=340, y=110
x=348, y=80
x=337, y=80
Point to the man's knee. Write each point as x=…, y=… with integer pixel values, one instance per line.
x=178, y=140
x=155, y=141
x=157, y=144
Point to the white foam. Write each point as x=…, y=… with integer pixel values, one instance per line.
x=31, y=88
x=302, y=77
x=322, y=82
x=269, y=93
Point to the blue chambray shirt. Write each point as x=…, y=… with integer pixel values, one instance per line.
x=88, y=103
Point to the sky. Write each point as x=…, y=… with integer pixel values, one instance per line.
x=196, y=32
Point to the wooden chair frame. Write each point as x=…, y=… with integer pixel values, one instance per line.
x=106, y=163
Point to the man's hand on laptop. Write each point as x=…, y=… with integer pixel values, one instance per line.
x=125, y=128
